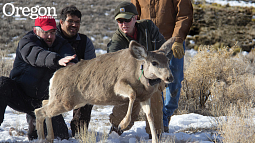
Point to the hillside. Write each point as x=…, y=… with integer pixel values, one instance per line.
x=223, y=26
x=213, y=24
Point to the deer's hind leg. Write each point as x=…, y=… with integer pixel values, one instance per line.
x=40, y=116
x=48, y=111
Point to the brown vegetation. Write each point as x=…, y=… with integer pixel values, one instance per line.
x=222, y=26
x=238, y=126
x=215, y=78
x=5, y=64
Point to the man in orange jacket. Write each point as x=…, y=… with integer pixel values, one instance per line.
x=174, y=19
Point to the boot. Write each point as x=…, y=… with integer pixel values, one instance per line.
x=81, y=118
x=166, y=128
x=59, y=127
x=32, y=133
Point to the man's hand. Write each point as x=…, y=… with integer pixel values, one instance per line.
x=66, y=60
x=178, y=50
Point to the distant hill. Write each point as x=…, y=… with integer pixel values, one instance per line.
x=213, y=24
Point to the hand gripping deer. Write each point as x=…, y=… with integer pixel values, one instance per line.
x=110, y=79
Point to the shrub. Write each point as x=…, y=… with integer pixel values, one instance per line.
x=5, y=65
x=238, y=126
x=215, y=78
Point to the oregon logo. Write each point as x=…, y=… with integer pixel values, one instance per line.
x=32, y=12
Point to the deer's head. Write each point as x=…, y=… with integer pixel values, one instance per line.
x=155, y=63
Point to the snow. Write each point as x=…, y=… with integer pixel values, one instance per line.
x=232, y=3
x=100, y=124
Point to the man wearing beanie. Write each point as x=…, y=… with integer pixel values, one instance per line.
x=147, y=34
x=39, y=54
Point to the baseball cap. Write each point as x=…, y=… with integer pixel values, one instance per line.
x=46, y=22
x=125, y=10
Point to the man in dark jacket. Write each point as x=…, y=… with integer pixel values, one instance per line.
x=68, y=28
x=146, y=33
x=39, y=54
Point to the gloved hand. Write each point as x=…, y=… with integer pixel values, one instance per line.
x=178, y=50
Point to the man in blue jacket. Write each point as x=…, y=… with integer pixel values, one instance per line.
x=39, y=54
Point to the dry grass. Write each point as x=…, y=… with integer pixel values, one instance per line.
x=215, y=78
x=85, y=136
x=239, y=125
x=92, y=136
x=5, y=65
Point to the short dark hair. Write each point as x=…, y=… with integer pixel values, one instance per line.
x=71, y=10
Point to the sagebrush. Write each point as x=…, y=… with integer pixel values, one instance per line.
x=214, y=78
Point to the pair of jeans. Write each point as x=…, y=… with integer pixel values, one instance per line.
x=170, y=104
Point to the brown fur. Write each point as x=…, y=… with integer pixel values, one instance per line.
x=109, y=79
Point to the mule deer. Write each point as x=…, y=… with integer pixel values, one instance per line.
x=110, y=79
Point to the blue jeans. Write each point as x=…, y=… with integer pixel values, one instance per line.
x=173, y=89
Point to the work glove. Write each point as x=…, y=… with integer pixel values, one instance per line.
x=178, y=50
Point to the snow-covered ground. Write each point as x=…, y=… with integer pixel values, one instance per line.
x=100, y=124
x=231, y=3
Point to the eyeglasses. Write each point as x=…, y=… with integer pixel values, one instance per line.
x=72, y=22
x=124, y=20
x=50, y=32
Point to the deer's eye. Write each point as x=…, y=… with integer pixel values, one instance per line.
x=154, y=63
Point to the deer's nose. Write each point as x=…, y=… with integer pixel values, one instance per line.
x=170, y=78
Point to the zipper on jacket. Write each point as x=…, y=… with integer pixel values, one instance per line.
x=146, y=36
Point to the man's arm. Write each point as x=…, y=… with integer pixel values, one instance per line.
x=35, y=55
x=90, y=50
x=184, y=19
x=32, y=52
x=117, y=43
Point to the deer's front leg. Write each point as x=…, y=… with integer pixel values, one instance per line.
x=124, y=89
x=146, y=106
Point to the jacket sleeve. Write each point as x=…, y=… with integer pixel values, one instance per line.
x=117, y=43
x=35, y=55
x=90, y=50
x=156, y=36
x=184, y=19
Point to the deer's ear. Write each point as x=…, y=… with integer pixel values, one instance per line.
x=137, y=50
x=167, y=47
